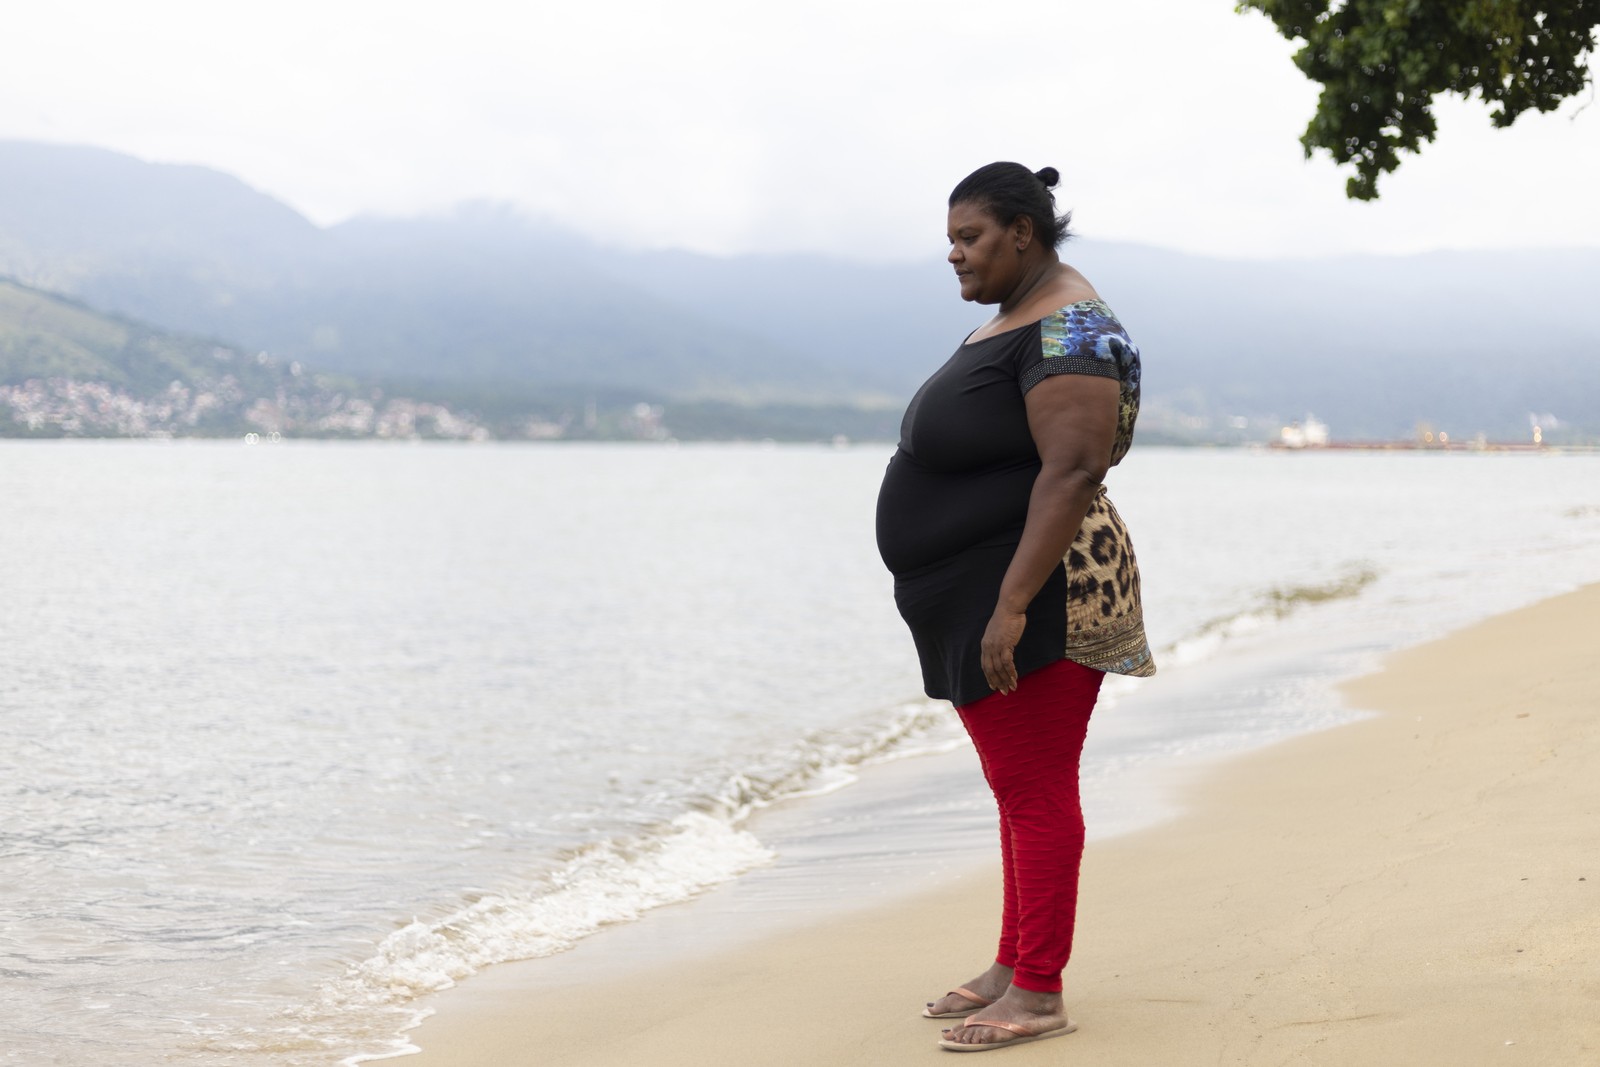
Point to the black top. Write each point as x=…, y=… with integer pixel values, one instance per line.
x=955, y=495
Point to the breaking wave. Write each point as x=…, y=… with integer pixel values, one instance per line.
x=618, y=879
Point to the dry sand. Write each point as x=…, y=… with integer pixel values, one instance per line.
x=1421, y=888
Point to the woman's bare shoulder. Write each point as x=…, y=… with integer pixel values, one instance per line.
x=1066, y=288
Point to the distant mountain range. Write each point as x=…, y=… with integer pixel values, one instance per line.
x=494, y=313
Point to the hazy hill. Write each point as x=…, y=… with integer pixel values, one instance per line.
x=65, y=368
x=71, y=216
x=478, y=297
x=48, y=336
x=488, y=302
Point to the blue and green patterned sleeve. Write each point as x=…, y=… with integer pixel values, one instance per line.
x=1081, y=338
x=1086, y=338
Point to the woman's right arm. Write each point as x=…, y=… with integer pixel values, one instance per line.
x=1073, y=419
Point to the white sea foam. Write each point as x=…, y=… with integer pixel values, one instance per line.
x=618, y=880
x=606, y=883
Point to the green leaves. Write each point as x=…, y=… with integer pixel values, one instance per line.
x=1381, y=63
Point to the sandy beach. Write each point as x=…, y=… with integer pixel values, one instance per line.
x=1421, y=887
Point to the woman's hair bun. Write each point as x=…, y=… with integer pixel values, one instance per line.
x=1049, y=176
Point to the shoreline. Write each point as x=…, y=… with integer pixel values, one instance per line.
x=1407, y=888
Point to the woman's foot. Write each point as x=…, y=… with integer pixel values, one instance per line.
x=990, y=985
x=1035, y=1014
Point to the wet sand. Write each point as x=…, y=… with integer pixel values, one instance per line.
x=1420, y=888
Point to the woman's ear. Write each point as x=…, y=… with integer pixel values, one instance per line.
x=1022, y=231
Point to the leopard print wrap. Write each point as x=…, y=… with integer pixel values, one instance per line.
x=1105, y=617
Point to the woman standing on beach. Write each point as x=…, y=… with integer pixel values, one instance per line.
x=1013, y=570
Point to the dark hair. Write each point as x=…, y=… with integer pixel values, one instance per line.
x=1009, y=190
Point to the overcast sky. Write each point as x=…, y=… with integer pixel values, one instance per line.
x=836, y=126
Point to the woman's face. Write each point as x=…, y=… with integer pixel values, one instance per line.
x=984, y=253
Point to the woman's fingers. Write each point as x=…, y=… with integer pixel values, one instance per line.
x=991, y=671
x=1000, y=637
x=1001, y=676
x=999, y=668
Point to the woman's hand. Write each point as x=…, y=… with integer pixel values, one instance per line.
x=1000, y=637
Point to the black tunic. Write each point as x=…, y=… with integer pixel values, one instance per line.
x=955, y=496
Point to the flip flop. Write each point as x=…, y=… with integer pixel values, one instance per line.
x=1024, y=1035
x=960, y=991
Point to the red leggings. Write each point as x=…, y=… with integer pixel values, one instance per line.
x=1029, y=741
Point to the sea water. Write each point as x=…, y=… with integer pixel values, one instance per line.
x=293, y=734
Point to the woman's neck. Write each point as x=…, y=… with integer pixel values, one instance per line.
x=1032, y=279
